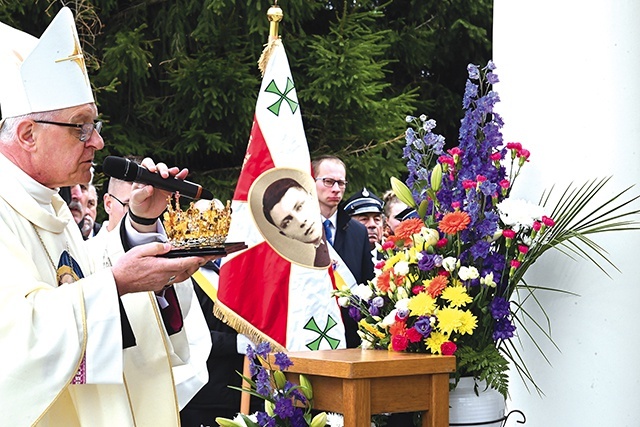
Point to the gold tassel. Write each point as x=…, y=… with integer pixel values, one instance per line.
x=266, y=55
x=243, y=327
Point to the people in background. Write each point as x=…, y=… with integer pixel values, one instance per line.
x=348, y=237
x=366, y=208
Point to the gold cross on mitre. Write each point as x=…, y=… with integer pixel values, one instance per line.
x=76, y=56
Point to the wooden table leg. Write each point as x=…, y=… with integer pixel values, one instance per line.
x=438, y=413
x=357, y=402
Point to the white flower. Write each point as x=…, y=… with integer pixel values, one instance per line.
x=390, y=318
x=363, y=291
x=240, y=421
x=428, y=237
x=335, y=420
x=517, y=212
x=365, y=344
x=468, y=273
x=344, y=302
x=488, y=280
x=450, y=263
x=401, y=268
x=401, y=293
x=402, y=304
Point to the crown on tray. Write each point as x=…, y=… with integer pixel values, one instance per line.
x=203, y=226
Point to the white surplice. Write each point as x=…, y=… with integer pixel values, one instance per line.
x=47, y=332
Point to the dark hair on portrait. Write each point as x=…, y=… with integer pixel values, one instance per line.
x=274, y=193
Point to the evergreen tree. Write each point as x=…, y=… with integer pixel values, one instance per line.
x=177, y=80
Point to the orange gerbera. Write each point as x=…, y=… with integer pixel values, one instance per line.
x=453, y=222
x=383, y=281
x=408, y=228
x=398, y=328
x=437, y=285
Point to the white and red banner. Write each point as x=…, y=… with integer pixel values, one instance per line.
x=262, y=294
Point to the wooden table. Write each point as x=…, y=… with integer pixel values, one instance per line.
x=358, y=383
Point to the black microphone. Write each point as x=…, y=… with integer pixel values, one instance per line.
x=127, y=170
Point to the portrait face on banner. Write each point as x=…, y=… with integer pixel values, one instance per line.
x=284, y=206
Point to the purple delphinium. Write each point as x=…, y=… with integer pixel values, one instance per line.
x=264, y=420
x=503, y=329
x=263, y=382
x=283, y=407
x=283, y=362
x=263, y=349
x=297, y=419
x=499, y=308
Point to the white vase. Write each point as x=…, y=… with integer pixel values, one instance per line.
x=466, y=408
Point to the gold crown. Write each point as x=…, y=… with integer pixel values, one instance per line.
x=203, y=226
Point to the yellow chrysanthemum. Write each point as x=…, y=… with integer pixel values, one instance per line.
x=371, y=329
x=449, y=319
x=399, y=256
x=468, y=323
x=412, y=255
x=422, y=305
x=434, y=342
x=457, y=296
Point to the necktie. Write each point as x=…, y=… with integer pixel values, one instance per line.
x=327, y=231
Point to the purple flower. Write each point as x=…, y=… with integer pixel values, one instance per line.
x=499, y=308
x=297, y=420
x=402, y=313
x=283, y=362
x=263, y=349
x=354, y=313
x=480, y=249
x=423, y=325
x=492, y=78
x=263, y=382
x=503, y=329
x=474, y=71
x=264, y=420
x=427, y=262
x=283, y=407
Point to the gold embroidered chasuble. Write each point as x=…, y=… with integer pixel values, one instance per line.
x=51, y=333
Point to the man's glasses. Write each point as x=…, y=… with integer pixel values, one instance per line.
x=125, y=205
x=86, y=129
x=330, y=182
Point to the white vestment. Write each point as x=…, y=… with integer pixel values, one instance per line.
x=62, y=358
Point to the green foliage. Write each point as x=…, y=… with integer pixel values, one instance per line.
x=486, y=363
x=177, y=80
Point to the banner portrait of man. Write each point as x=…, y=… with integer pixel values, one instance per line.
x=285, y=209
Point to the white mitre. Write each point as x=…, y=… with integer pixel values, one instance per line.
x=42, y=74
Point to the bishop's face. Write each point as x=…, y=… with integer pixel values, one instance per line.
x=58, y=157
x=297, y=216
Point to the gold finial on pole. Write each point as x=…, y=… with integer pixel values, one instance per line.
x=274, y=14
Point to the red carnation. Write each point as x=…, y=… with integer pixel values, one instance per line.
x=448, y=348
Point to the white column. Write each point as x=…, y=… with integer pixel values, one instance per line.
x=570, y=93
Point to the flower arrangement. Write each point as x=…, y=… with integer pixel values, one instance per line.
x=286, y=404
x=452, y=281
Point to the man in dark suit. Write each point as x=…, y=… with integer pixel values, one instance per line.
x=348, y=237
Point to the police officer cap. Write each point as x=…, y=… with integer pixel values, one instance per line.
x=363, y=202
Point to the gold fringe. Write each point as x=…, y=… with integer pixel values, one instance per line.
x=266, y=55
x=243, y=327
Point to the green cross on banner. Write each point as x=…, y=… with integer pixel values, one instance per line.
x=313, y=326
x=273, y=88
